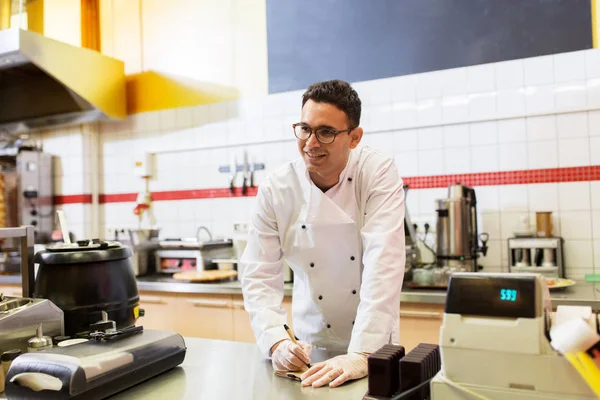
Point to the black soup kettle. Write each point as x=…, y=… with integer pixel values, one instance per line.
x=86, y=278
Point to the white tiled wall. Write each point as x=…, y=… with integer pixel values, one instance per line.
x=542, y=112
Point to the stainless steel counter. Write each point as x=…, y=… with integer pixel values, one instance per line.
x=215, y=369
x=582, y=293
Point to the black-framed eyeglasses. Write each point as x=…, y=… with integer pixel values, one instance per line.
x=323, y=134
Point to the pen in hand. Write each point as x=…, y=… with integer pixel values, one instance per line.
x=293, y=338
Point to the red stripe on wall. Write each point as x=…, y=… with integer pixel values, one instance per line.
x=551, y=175
x=179, y=195
x=72, y=199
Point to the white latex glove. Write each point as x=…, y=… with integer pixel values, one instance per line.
x=336, y=371
x=289, y=356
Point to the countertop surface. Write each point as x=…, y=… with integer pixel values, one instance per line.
x=582, y=293
x=215, y=369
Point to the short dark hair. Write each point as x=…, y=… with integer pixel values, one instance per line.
x=338, y=93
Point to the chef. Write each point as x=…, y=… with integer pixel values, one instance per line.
x=336, y=215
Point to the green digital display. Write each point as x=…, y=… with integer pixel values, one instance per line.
x=508, y=294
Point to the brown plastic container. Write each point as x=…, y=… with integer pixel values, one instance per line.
x=543, y=223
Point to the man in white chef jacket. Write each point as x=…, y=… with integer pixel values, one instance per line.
x=337, y=216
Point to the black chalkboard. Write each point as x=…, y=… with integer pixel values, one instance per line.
x=356, y=40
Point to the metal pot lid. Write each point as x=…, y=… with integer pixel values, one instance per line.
x=84, y=251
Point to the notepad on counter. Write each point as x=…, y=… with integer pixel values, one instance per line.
x=293, y=375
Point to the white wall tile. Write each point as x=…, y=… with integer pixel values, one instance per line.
x=541, y=155
x=569, y=66
x=543, y=197
x=488, y=198
x=570, y=96
x=539, y=70
x=575, y=225
x=405, y=140
x=592, y=63
x=511, y=103
x=573, y=152
x=541, y=128
x=594, y=123
x=484, y=158
x=455, y=109
x=482, y=106
x=456, y=135
x=513, y=156
x=509, y=74
x=574, y=196
x=578, y=254
x=596, y=224
x=430, y=138
x=512, y=130
x=429, y=112
x=596, y=249
x=540, y=99
x=404, y=88
x=513, y=198
x=412, y=200
x=595, y=194
x=428, y=199
x=489, y=222
x=572, y=125
x=457, y=160
x=593, y=93
x=595, y=151
x=509, y=222
x=483, y=133
x=405, y=115
x=454, y=81
x=480, y=78
x=493, y=259
x=431, y=162
x=429, y=85
x=374, y=92
x=381, y=117
x=407, y=163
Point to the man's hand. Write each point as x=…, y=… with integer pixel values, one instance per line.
x=336, y=371
x=288, y=356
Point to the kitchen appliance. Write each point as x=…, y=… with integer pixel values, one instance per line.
x=143, y=243
x=94, y=369
x=413, y=253
x=26, y=195
x=537, y=254
x=88, y=277
x=494, y=341
x=177, y=255
x=457, y=240
x=37, y=75
x=19, y=318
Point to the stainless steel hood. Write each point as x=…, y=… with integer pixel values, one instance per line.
x=45, y=83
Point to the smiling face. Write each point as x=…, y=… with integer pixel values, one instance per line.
x=325, y=162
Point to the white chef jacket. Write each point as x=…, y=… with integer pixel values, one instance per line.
x=328, y=309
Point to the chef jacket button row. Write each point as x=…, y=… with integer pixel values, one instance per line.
x=349, y=179
x=352, y=258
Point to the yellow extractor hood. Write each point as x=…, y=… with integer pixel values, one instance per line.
x=45, y=83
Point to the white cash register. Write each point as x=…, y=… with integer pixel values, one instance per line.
x=495, y=343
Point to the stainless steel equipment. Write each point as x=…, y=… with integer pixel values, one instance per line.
x=543, y=255
x=457, y=243
x=40, y=87
x=176, y=255
x=20, y=316
x=26, y=173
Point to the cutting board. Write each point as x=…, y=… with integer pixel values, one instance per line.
x=204, y=276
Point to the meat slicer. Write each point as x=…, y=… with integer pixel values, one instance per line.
x=495, y=342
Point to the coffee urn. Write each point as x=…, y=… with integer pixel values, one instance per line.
x=457, y=244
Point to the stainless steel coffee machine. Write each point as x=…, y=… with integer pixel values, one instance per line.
x=457, y=244
x=26, y=195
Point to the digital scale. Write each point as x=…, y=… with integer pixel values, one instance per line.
x=495, y=343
